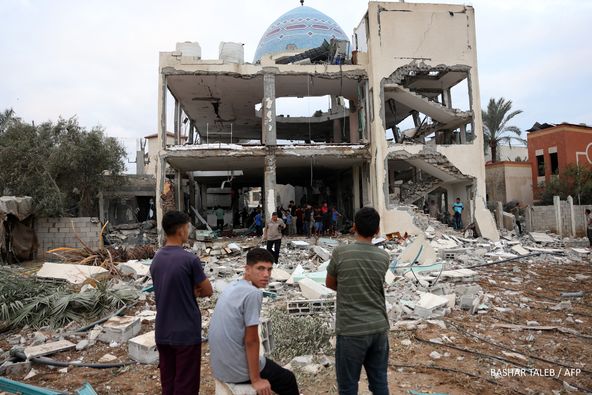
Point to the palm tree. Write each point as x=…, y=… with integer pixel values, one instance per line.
x=6, y=117
x=495, y=129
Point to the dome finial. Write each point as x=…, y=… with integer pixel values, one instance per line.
x=301, y=2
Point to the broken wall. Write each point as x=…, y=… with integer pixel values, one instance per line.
x=63, y=232
x=401, y=34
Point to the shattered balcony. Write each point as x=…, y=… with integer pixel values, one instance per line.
x=416, y=90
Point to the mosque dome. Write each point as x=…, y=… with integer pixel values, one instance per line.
x=299, y=29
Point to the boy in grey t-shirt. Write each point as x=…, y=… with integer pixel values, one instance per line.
x=233, y=334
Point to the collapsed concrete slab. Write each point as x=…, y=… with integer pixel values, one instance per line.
x=74, y=274
x=313, y=290
x=48, y=348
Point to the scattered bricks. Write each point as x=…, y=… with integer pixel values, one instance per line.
x=322, y=253
x=308, y=307
x=143, y=348
x=120, y=329
x=313, y=290
x=234, y=389
x=428, y=304
x=48, y=348
x=266, y=337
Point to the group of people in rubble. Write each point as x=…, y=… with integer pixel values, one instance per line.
x=356, y=272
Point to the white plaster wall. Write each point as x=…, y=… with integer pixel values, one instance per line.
x=401, y=32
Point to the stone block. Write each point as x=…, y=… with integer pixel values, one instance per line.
x=48, y=348
x=120, y=329
x=313, y=290
x=143, y=348
x=234, y=389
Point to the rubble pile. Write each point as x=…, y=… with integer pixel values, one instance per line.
x=133, y=234
x=432, y=276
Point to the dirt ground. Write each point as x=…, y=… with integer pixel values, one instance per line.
x=556, y=359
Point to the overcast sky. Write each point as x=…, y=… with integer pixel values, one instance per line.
x=98, y=59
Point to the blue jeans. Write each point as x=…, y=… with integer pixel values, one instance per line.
x=369, y=351
x=458, y=221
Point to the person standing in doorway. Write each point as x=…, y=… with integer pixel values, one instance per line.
x=457, y=209
x=234, y=336
x=272, y=234
x=219, y=212
x=259, y=223
x=307, y=220
x=589, y=226
x=357, y=273
x=178, y=279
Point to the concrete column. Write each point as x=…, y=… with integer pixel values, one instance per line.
x=558, y=222
x=354, y=136
x=463, y=134
x=102, y=217
x=572, y=216
x=160, y=162
x=447, y=97
x=269, y=185
x=269, y=130
x=356, y=187
x=528, y=219
x=180, y=196
x=337, y=131
x=499, y=215
x=366, y=184
x=176, y=123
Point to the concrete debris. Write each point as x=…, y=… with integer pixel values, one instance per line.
x=406, y=342
x=120, y=329
x=74, y=274
x=322, y=253
x=107, y=358
x=82, y=344
x=301, y=361
x=48, y=348
x=312, y=290
x=435, y=355
x=143, y=348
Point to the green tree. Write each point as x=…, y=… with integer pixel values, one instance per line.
x=574, y=181
x=61, y=164
x=495, y=125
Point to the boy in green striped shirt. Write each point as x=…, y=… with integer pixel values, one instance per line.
x=357, y=273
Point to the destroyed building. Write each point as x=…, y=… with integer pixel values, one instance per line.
x=404, y=125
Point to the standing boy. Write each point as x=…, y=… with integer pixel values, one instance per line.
x=178, y=279
x=357, y=273
x=457, y=208
x=234, y=335
x=273, y=235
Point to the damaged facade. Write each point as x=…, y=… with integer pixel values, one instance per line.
x=393, y=137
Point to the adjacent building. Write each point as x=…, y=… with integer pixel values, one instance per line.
x=403, y=126
x=552, y=148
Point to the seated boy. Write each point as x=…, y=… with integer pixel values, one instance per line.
x=234, y=337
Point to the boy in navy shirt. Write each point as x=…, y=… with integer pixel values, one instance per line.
x=178, y=279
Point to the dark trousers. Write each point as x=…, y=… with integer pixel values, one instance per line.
x=369, y=351
x=259, y=230
x=306, y=228
x=273, y=246
x=458, y=221
x=220, y=223
x=589, y=234
x=283, y=381
x=179, y=369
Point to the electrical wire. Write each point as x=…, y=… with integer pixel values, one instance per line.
x=466, y=333
x=444, y=369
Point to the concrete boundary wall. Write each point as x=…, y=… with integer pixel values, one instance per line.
x=563, y=218
x=62, y=232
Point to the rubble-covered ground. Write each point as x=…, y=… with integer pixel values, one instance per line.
x=468, y=316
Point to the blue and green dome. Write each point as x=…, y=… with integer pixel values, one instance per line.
x=299, y=29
